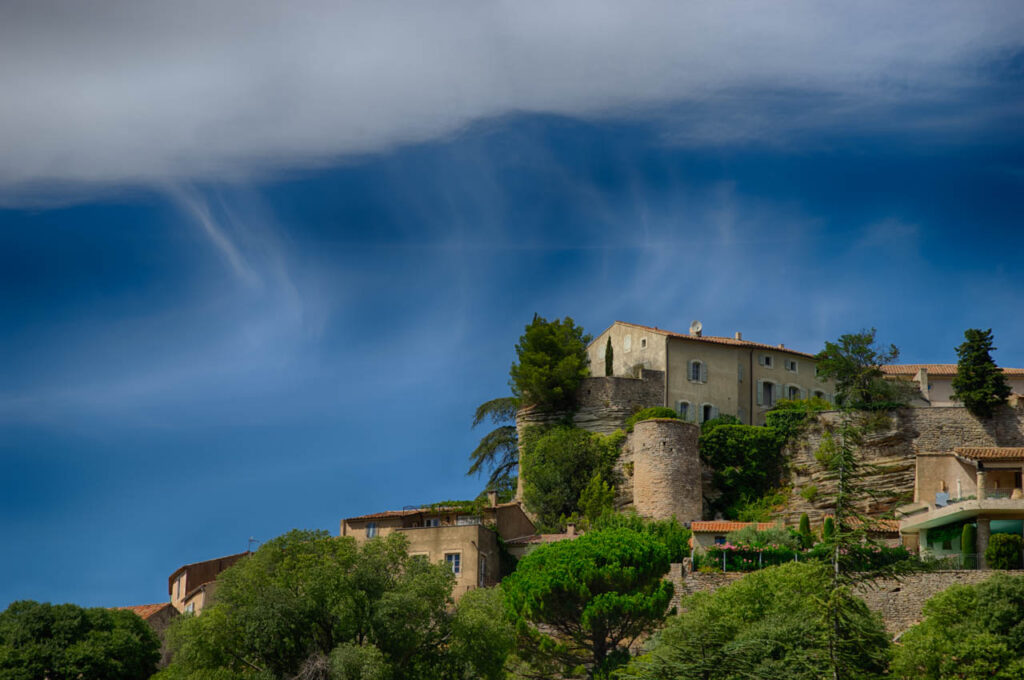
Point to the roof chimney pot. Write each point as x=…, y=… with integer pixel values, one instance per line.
x=739, y=336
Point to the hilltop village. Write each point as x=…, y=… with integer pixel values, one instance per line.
x=935, y=466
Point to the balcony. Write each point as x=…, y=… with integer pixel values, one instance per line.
x=925, y=516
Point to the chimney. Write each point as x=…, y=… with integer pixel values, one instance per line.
x=570, y=529
x=739, y=336
x=492, y=498
x=781, y=346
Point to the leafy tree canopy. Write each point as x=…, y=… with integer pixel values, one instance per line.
x=746, y=460
x=577, y=604
x=559, y=464
x=551, y=360
x=769, y=625
x=67, y=642
x=309, y=605
x=978, y=382
x=854, y=361
x=968, y=633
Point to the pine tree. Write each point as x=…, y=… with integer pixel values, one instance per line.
x=979, y=383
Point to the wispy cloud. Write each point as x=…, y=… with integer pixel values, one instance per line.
x=104, y=94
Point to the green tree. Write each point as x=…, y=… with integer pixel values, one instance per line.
x=609, y=358
x=558, y=465
x=968, y=633
x=310, y=605
x=968, y=546
x=551, y=360
x=854, y=361
x=769, y=625
x=725, y=419
x=1003, y=551
x=746, y=462
x=498, y=450
x=978, y=382
x=578, y=604
x=65, y=642
x=806, y=537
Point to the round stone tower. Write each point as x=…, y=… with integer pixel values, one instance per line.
x=666, y=469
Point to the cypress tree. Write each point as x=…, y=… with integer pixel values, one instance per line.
x=968, y=548
x=829, y=528
x=609, y=360
x=979, y=383
x=806, y=538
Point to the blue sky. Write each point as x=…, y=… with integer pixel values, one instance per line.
x=257, y=270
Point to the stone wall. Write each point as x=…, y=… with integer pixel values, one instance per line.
x=891, y=453
x=666, y=469
x=900, y=602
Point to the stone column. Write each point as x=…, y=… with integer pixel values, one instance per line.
x=981, y=482
x=922, y=541
x=984, y=531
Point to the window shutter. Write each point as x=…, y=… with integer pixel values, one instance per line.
x=803, y=393
x=714, y=411
x=689, y=370
x=760, y=393
x=703, y=372
x=760, y=359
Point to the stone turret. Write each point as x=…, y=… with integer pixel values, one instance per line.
x=666, y=469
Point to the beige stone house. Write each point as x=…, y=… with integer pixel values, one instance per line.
x=711, y=533
x=191, y=585
x=706, y=376
x=466, y=541
x=935, y=381
x=159, y=617
x=979, y=485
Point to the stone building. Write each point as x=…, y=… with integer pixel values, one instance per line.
x=935, y=381
x=705, y=376
x=191, y=585
x=159, y=617
x=466, y=541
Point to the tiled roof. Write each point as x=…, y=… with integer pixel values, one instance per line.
x=425, y=510
x=991, y=452
x=541, y=538
x=719, y=526
x=936, y=369
x=717, y=340
x=146, y=610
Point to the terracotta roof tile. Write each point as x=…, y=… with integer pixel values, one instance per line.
x=936, y=369
x=717, y=340
x=991, y=452
x=146, y=610
x=386, y=514
x=719, y=526
x=542, y=538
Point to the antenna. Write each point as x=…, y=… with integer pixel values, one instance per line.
x=696, y=327
x=251, y=541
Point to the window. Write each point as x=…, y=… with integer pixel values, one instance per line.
x=766, y=393
x=791, y=365
x=794, y=392
x=643, y=343
x=683, y=409
x=765, y=360
x=481, y=579
x=191, y=608
x=371, y=529
x=719, y=540
x=707, y=412
x=432, y=522
x=698, y=371
x=454, y=560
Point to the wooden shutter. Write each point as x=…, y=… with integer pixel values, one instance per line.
x=760, y=359
x=703, y=372
x=760, y=392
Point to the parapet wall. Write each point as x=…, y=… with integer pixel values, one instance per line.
x=666, y=469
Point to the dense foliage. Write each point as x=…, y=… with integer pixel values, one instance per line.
x=746, y=462
x=968, y=633
x=578, y=604
x=978, y=382
x=67, y=642
x=769, y=625
x=854, y=361
x=648, y=414
x=551, y=360
x=559, y=463
x=306, y=604
x=724, y=419
x=669, y=532
x=1003, y=551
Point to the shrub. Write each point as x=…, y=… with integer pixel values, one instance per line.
x=968, y=546
x=648, y=414
x=789, y=415
x=751, y=536
x=1003, y=551
x=809, y=493
x=724, y=419
x=758, y=509
x=828, y=530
